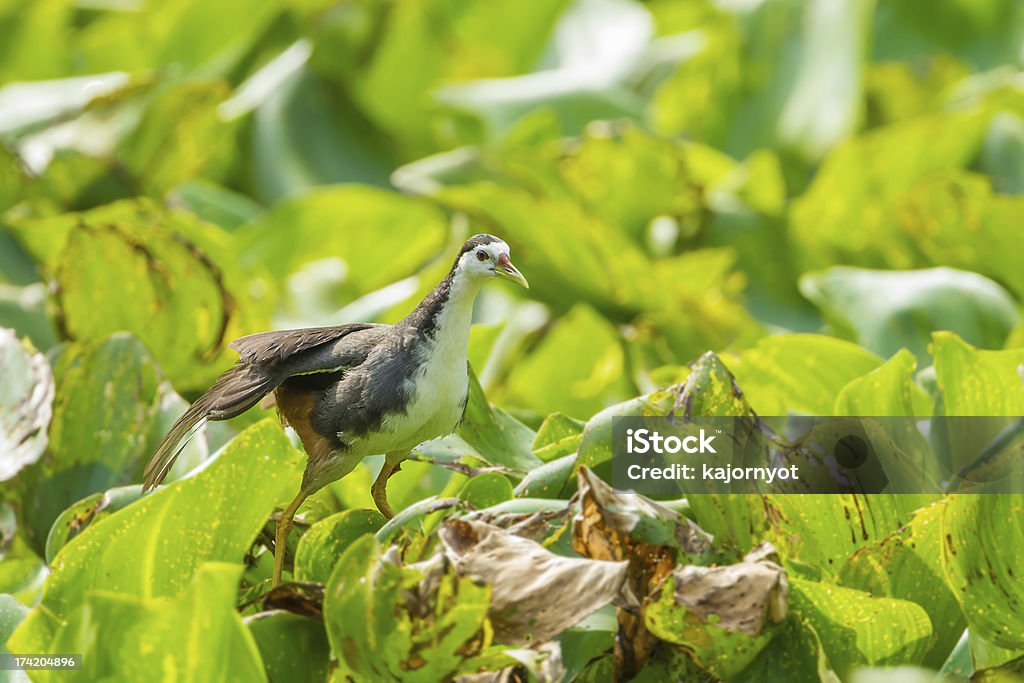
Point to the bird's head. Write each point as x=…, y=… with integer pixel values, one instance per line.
x=485, y=256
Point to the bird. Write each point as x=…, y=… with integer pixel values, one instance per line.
x=355, y=389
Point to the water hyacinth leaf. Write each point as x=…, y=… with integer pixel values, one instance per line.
x=171, y=531
x=293, y=648
x=967, y=377
x=486, y=489
x=498, y=437
x=387, y=622
x=323, y=223
x=870, y=171
x=166, y=627
x=549, y=480
x=185, y=311
x=95, y=444
x=324, y=542
x=982, y=535
x=820, y=530
x=89, y=510
x=885, y=311
x=534, y=594
x=558, y=435
x=179, y=136
x=595, y=449
x=577, y=368
x=304, y=135
x=724, y=616
x=889, y=390
x=796, y=373
x=907, y=564
x=858, y=630
x=26, y=404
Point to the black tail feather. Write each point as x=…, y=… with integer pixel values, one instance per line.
x=234, y=392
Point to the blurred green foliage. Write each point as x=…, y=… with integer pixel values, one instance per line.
x=825, y=195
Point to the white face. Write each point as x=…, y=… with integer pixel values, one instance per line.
x=483, y=261
x=491, y=260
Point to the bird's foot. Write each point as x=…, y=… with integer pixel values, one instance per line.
x=379, y=490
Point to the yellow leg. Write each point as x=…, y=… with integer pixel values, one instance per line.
x=392, y=463
x=284, y=527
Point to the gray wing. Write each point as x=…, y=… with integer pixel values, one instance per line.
x=266, y=360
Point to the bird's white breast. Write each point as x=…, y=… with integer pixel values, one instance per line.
x=440, y=384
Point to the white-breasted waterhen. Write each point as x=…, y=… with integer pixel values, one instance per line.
x=358, y=389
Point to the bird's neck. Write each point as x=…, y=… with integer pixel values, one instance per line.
x=445, y=315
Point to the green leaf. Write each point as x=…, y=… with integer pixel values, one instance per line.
x=378, y=235
x=577, y=368
x=859, y=630
x=487, y=489
x=889, y=390
x=305, y=134
x=293, y=648
x=499, y=438
x=798, y=373
x=324, y=542
x=184, y=311
x=886, y=311
x=548, y=480
x=190, y=637
x=822, y=530
x=982, y=535
x=212, y=516
x=26, y=404
x=89, y=510
x=975, y=382
x=95, y=444
x=180, y=136
x=907, y=564
x=383, y=626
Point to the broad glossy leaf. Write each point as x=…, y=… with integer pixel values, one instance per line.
x=104, y=413
x=91, y=509
x=324, y=542
x=982, y=536
x=293, y=648
x=889, y=390
x=487, y=489
x=907, y=564
x=798, y=373
x=185, y=311
x=548, y=480
x=860, y=177
x=498, y=437
x=391, y=61
x=577, y=368
x=190, y=637
x=26, y=404
x=858, y=630
x=885, y=311
x=976, y=382
x=180, y=136
x=822, y=530
x=212, y=516
x=305, y=134
x=378, y=235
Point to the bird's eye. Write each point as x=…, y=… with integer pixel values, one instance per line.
x=481, y=255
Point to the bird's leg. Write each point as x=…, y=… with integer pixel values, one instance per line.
x=392, y=464
x=284, y=527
